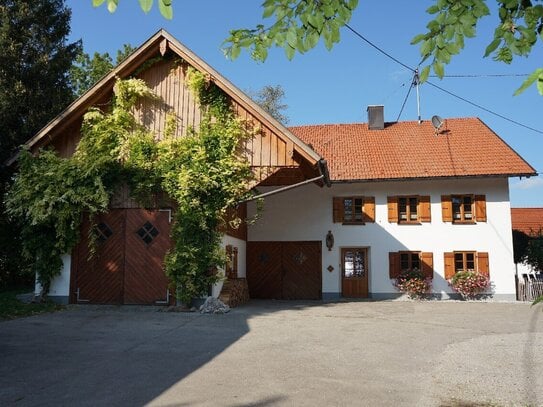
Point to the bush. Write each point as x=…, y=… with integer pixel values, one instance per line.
x=469, y=283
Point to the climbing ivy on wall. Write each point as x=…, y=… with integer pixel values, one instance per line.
x=204, y=173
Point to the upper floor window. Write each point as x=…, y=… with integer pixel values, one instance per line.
x=409, y=209
x=354, y=209
x=463, y=208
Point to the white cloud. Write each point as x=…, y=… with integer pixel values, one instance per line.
x=529, y=183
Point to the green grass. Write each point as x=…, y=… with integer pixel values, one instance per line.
x=11, y=308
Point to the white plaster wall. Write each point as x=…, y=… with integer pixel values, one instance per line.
x=60, y=285
x=305, y=213
x=242, y=250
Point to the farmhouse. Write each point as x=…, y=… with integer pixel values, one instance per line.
x=349, y=207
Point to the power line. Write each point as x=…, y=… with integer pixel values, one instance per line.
x=484, y=108
x=377, y=48
x=482, y=75
x=355, y=32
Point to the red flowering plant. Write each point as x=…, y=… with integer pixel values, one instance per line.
x=469, y=283
x=413, y=283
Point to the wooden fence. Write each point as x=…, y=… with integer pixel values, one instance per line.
x=529, y=286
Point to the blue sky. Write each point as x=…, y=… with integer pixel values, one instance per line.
x=337, y=86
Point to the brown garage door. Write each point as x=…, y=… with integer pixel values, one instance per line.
x=127, y=265
x=284, y=270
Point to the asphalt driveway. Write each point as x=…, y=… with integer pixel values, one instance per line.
x=278, y=353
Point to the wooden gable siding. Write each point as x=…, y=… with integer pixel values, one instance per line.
x=266, y=151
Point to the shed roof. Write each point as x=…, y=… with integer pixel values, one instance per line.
x=527, y=220
x=464, y=147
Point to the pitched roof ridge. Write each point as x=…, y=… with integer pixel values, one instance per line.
x=388, y=123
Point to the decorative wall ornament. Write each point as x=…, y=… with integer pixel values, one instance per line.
x=329, y=240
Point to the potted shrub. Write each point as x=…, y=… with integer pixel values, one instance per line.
x=469, y=283
x=413, y=283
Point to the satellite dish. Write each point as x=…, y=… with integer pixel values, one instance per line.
x=437, y=122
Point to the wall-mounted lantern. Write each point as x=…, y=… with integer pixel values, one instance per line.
x=329, y=240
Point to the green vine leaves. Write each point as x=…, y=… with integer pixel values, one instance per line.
x=204, y=173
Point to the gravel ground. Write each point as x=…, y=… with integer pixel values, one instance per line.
x=273, y=353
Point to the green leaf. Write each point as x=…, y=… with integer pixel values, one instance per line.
x=166, y=9
x=290, y=51
x=292, y=37
x=312, y=39
x=492, y=46
x=417, y=39
x=269, y=10
x=438, y=69
x=427, y=47
x=536, y=75
x=97, y=3
x=112, y=5
x=540, y=84
x=424, y=74
x=146, y=5
x=433, y=9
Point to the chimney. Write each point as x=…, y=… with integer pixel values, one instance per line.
x=376, y=117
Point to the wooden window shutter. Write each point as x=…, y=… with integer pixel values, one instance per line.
x=449, y=265
x=427, y=260
x=446, y=208
x=482, y=263
x=425, y=212
x=394, y=264
x=369, y=209
x=337, y=209
x=392, y=204
x=480, y=208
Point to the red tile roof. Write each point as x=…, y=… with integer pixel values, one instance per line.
x=527, y=220
x=463, y=147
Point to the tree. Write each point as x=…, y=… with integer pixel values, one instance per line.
x=86, y=71
x=270, y=98
x=35, y=59
x=34, y=64
x=299, y=25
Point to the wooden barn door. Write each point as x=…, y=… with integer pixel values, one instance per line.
x=147, y=241
x=127, y=265
x=264, y=269
x=98, y=277
x=284, y=270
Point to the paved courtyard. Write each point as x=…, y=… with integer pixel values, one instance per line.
x=269, y=353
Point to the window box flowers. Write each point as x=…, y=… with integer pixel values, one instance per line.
x=469, y=283
x=413, y=283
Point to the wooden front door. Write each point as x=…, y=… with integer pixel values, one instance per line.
x=284, y=270
x=126, y=267
x=354, y=267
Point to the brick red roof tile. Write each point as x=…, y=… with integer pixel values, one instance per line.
x=527, y=220
x=463, y=147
